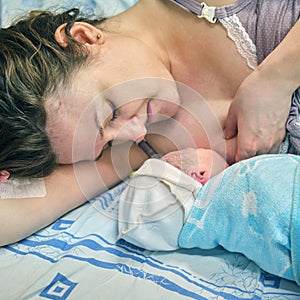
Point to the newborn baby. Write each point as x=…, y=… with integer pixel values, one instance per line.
x=247, y=208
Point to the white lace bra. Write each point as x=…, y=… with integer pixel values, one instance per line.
x=241, y=38
x=227, y=16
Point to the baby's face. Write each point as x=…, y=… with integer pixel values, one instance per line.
x=201, y=164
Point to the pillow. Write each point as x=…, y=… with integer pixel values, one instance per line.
x=10, y=10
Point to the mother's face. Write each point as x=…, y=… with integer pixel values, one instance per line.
x=115, y=98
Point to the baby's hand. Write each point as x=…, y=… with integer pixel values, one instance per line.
x=201, y=164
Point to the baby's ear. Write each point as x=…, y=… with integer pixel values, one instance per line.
x=4, y=175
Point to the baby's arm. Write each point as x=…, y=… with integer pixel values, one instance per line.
x=201, y=164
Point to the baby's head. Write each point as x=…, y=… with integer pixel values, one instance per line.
x=201, y=164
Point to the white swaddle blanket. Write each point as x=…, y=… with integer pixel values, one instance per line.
x=156, y=204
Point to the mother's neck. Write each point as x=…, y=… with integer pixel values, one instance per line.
x=153, y=22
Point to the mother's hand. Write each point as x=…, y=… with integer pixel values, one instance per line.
x=258, y=115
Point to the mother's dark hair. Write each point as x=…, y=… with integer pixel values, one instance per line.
x=32, y=67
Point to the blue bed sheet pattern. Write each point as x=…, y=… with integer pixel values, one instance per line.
x=79, y=257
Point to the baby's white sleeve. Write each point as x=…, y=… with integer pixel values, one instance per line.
x=154, y=206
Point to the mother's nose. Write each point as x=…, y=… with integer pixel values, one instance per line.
x=132, y=129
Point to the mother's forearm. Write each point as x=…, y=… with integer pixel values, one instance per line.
x=284, y=62
x=20, y=217
x=67, y=187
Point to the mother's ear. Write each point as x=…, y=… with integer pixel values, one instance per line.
x=82, y=32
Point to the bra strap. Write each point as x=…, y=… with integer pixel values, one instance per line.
x=201, y=10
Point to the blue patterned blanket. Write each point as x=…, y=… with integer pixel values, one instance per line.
x=252, y=208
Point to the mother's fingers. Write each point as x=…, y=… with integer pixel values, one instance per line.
x=247, y=148
x=230, y=125
x=245, y=151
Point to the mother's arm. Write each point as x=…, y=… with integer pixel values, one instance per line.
x=260, y=109
x=67, y=187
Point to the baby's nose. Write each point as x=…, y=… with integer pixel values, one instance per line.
x=133, y=130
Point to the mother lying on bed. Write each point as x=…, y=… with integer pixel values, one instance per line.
x=70, y=86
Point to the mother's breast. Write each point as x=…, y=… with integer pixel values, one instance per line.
x=204, y=120
x=198, y=124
